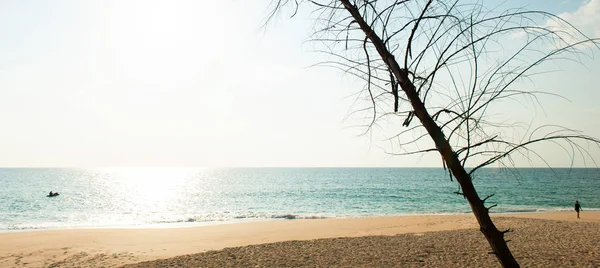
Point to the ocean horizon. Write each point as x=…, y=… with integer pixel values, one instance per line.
x=134, y=197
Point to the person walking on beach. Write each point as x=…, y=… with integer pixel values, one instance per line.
x=577, y=208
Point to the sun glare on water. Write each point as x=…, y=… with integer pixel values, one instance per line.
x=150, y=188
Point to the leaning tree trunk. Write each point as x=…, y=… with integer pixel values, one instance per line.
x=494, y=237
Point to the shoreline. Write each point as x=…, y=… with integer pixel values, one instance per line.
x=113, y=247
x=194, y=224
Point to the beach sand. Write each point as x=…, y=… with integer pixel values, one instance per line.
x=538, y=240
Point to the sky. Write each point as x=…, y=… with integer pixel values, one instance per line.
x=202, y=83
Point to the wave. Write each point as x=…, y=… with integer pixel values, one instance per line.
x=303, y=217
x=241, y=217
x=284, y=216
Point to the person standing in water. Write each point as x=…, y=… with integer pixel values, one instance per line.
x=577, y=208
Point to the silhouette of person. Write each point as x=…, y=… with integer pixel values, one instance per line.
x=50, y=194
x=577, y=208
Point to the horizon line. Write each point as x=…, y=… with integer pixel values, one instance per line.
x=298, y=167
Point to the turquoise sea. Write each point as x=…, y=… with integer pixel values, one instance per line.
x=134, y=197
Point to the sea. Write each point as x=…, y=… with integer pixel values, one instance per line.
x=177, y=197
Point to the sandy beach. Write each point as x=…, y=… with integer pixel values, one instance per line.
x=539, y=239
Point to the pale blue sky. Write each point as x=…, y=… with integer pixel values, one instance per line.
x=198, y=83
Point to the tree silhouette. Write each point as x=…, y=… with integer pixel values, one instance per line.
x=448, y=64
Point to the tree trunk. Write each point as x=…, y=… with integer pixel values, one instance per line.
x=494, y=237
